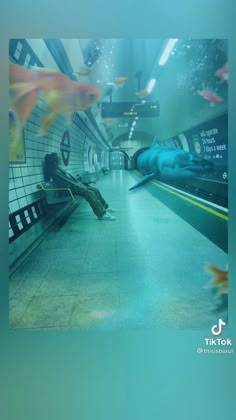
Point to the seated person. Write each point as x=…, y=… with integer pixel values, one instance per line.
x=63, y=179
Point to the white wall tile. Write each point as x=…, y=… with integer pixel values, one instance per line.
x=22, y=202
x=18, y=182
x=23, y=179
x=12, y=195
x=14, y=205
x=28, y=189
x=20, y=192
x=16, y=172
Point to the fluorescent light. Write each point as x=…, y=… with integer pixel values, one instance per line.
x=150, y=85
x=134, y=123
x=167, y=51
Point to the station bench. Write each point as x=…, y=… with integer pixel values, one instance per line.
x=29, y=225
x=55, y=195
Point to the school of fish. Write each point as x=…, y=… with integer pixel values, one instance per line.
x=65, y=96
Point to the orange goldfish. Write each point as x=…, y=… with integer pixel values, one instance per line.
x=22, y=99
x=142, y=93
x=62, y=95
x=223, y=72
x=210, y=96
x=221, y=279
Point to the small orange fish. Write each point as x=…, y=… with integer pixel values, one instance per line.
x=210, y=96
x=120, y=81
x=62, y=95
x=83, y=71
x=142, y=93
x=223, y=72
x=221, y=279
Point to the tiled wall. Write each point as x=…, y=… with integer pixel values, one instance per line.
x=24, y=177
x=86, y=153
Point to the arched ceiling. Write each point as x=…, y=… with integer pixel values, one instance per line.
x=190, y=70
x=133, y=59
x=182, y=84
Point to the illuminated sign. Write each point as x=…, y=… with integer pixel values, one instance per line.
x=130, y=109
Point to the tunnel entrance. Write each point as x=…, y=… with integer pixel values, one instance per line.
x=119, y=160
x=135, y=157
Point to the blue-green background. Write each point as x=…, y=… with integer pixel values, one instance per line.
x=72, y=375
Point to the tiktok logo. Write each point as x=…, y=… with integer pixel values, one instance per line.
x=217, y=329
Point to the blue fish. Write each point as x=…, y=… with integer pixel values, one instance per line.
x=168, y=164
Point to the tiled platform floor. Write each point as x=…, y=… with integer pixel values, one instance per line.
x=143, y=270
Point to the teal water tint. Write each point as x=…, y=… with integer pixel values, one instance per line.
x=191, y=71
x=232, y=188
x=115, y=376
x=141, y=375
x=107, y=276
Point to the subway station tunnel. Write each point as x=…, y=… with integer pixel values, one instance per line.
x=145, y=122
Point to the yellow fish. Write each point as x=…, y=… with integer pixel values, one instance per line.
x=62, y=95
x=221, y=279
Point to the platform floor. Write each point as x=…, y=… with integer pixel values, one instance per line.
x=145, y=269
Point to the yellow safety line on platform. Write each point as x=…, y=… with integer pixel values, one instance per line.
x=210, y=210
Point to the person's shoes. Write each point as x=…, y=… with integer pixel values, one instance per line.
x=108, y=216
x=110, y=209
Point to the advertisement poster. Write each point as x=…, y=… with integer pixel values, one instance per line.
x=210, y=140
x=16, y=141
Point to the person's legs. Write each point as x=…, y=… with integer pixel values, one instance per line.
x=93, y=198
x=95, y=203
x=99, y=196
